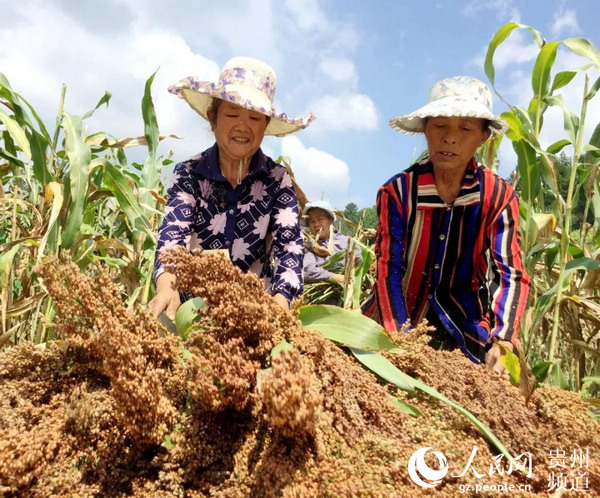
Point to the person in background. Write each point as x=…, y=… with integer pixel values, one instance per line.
x=232, y=197
x=448, y=242
x=320, y=217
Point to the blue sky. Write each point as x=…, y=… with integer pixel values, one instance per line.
x=355, y=64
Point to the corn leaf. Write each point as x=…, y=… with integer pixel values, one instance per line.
x=557, y=146
x=557, y=378
x=384, y=368
x=150, y=176
x=541, y=369
x=540, y=77
x=105, y=99
x=562, y=78
x=16, y=132
x=117, y=183
x=79, y=158
x=501, y=35
x=405, y=407
x=346, y=327
x=510, y=361
x=584, y=48
x=571, y=121
x=54, y=193
x=279, y=347
x=187, y=315
x=529, y=171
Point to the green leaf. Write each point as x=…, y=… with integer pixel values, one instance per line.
x=54, y=192
x=510, y=361
x=562, y=78
x=571, y=122
x=104, y=100
x=594, y=90
x=540, y=77
x=149, y=115
x=557, y=146
x=540, y=370
x=529, y=170
x=6, y=264
x=117, y=183
x=187, y=315
x=405, y=407
x=79, y=159
x=557, y=378
x=584, y=48
x=150, y=177
x=16, y=132
x=279, y=347
x=591, y=379
x=501, y=35
x=384, y=368
x=515, y=125
x=346, y=327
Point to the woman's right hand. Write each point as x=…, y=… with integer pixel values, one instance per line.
x=166, y=297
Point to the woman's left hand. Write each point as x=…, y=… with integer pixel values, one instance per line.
x=281, y=301
x=493, y=358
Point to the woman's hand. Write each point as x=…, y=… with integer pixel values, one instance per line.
x=337, y=277
x=281, y=301
x=493, y=358
x=166, y=298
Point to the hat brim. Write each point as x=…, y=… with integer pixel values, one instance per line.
x=414, y=122
x=200, y=94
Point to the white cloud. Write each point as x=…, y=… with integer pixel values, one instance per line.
x=339, y=69
x=565, y=20
x=319, y=174
x=505, y=9
x=346, y=112
x=308, y=14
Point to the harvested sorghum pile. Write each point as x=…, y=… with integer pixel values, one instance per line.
x=119, y=408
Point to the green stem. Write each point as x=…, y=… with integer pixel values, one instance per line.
x=566, y=231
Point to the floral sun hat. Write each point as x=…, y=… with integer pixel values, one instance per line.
x=244, y=81
x=324, y=205
x=459, y=96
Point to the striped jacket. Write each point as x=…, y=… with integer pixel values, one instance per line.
x=462, y=260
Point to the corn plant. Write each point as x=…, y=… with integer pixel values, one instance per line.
x=564, y=308
x=72, y=191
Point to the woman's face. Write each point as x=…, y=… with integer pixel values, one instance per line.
x=319, y=222
x=238, y=131
x=452, y=141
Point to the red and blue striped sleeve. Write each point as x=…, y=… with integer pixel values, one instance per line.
x=389, y=245
x=510, y=298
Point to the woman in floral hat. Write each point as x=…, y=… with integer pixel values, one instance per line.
x=232, y=196
x=448, y=238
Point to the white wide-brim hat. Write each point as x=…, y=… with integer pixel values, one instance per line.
x=458, y=96
x=246, y=82
x=324, y=205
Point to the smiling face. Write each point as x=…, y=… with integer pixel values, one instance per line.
x=319, y=222
x=238, y=131
x=452, y=141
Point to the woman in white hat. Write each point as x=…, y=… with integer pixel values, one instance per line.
x=232, y=196
x=320, y=217
x=448, y=239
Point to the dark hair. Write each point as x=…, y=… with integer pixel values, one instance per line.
x=486, y=124
x=213, y=108
x=211, y=114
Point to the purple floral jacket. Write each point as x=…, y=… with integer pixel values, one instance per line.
x=257, y=222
